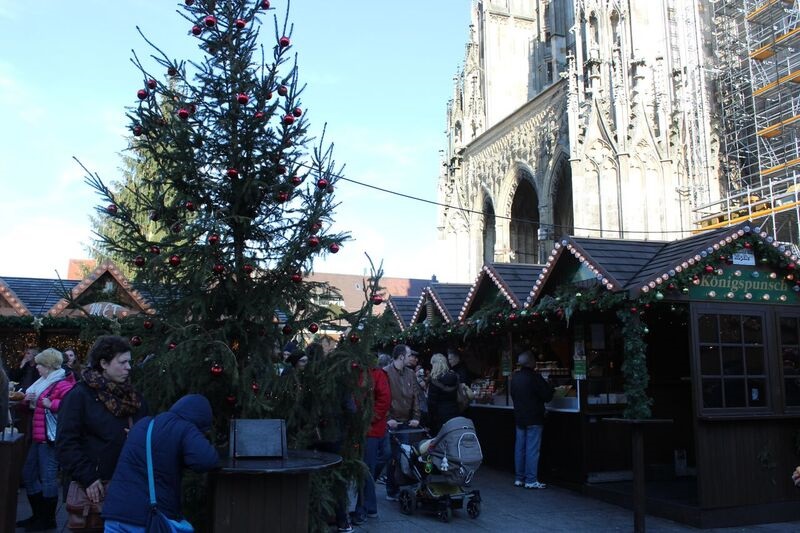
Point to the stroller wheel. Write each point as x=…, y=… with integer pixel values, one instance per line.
x=408, y=501
x=445, y=514
x=473, y=508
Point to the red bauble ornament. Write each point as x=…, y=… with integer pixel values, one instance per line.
x=334, y=248
x=196, y=30
x=242, y=98
x=217, y=370
x=136, y=340
x=748, y=245
x=709, y=269
x=280, y=169
x=189, y=2
x=288, y=120
x=315, y=227
x=269, y=95
x=155, y=250
x=283, y=90
x=139, y=261
x=171, y=346
x=284, y=42
x=175, y=260
x=255, y=386
x=141, y=94
x=282, y=197
x=233, y=173
x=287, y=329
x=259, y=115
x=137, y=130
x=213, y=239
x=111, y=209
x=322, y=183
x=183, y=114
x=151, y=84
x=176, y=227
x=172, y=71
x=790, y=266
x=376, y=298
x=296, y=180
x=313, y=327
x=297, y=112
x=231, y=399
x=354, y=338
x=329, y=189
x=248, y=269
x=210, y=21
x=633, y=310
x=240, y=23
x=297, y=277
x=148, y=324
x=219, y=269
x=313, y=242
x=264, y=4
x=189, y=205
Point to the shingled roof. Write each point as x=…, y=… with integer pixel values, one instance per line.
x=446, y=298
x=37, y=294
x=403, y=307
x=512, y=280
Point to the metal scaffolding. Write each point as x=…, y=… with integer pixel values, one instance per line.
x=758, y=65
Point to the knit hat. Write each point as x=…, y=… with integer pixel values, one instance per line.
x=51, y=358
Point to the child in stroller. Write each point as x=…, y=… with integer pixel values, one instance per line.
x=434, y=474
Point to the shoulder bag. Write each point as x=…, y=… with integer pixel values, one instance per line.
x=158, y=521
x=50, y=419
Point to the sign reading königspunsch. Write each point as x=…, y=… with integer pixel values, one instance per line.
x=741, y=283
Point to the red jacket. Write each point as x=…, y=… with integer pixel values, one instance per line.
x=56, y=393
x=382, y=396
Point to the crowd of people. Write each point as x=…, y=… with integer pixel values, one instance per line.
x=90, y=424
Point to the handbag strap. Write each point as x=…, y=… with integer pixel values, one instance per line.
x=151, y=484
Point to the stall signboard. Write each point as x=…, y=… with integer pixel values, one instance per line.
x=745, y=284
x=579, y=360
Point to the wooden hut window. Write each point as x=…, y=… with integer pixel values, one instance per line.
x=789, y=339
x=732, y=361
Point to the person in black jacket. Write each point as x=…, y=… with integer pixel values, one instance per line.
x=96, y=415
x=442, y=393
x=177, y=440
x=530, y=392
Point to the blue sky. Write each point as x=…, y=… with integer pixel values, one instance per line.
x=378, y=73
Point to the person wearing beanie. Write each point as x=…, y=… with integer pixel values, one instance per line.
x=40, y=471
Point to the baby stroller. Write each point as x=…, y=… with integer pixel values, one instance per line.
x=434, y=474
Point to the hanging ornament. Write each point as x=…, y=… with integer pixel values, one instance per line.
x=111, y=209
x=196, y=30
x=287, y=329
x=748, y=246
x=313, y=241
x=377, y=299
x=709, y=269
x=136, y=340
x=148, y=324
x=685, y=290
x=248, y=269
x=240, y=23
x=284, y=42
x=139, y=261
x=259, y=115
x=189, y=2
x=297, y=112
x=189, y=205
x=334, y=248
x=231, y=399
x=355, y=366
x=354, y=338
x=233, y=173
x=183, y=114
x=176, y=227
x=329, y=189
x=155, y=250
x=280, y=170
x=213, y=239
x=141, y=94
x=137, y=130
x=288, y=120
x=264, y=4
x=282, y=197
x=296, y=180
x=175, y=260
x=242, y=98
x=172, y=72
x=315, y=227
x=219, y=268
x=151, y=84
x=297, y=277
x=255, y=387
x=659, y=296
x=171, y=346
x=313, y=327
x=217, y=370
x=210, y=21
x=283, y=90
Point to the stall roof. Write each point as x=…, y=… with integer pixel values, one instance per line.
x=403, y=307
x=637, y=266
x=512, y=280
x=447, y=298
x=36, y=294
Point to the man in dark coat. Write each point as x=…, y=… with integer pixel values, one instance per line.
x=177, y=441
x=530, y=392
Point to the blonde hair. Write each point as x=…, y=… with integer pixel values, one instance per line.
x=51, y=358
x=439, y=366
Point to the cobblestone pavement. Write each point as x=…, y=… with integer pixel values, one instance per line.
x=508, y=509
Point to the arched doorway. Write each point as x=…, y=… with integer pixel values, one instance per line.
x=524, y=223
x=563, y=218
x=489, y=232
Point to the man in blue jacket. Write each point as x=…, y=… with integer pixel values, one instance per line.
x=530, y=392
x=177, y=441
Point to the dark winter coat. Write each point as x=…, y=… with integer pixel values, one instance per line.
x=530, y=392
x=443, y=399
x=90, y=437
x=25, y=376
x=177, y=442
x=462, y=372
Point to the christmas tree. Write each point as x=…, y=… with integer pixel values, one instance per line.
x=224, y=210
